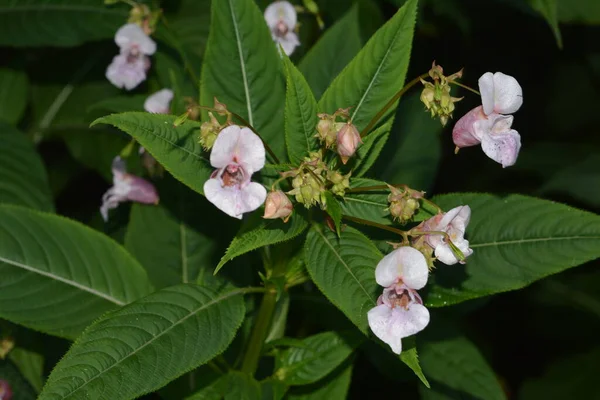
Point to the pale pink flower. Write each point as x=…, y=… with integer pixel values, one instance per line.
x=400, y=312
x=347, y=140
x=454, y=223
x=500, y=93
x=126, y=187
x=5, y=390
x=278, y=205
x=237, y=153
x=281, y=18
x=128, y=69
x=159, y=102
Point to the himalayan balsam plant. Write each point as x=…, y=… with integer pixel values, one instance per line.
x=261, y=147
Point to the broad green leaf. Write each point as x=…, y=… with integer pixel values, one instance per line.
x=369, y=150
x=119, y=104
x=31, y=366
x=21, y=389
x=14, y=92
x=300, y=115
x=175, y=240
x=579, y=12
x=257, y=232
x=242, y=387
x=377, y=72
x=58, y=275
x=215, y=391
x=58, y=22
x=328, y=57
x=177, y=328
x=549, y=10
x=334, y=210
x=516, y=240
x=242, y=68
x=176, y=148
x=580, y=179
x=23, y=179
x=272, y=389
x=334, y=386
x=315, y=357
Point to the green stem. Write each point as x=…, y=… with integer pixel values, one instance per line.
x=376, y=225
x=466, y=87
x=390, y=103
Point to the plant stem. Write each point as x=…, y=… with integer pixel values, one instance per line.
x=375, y=224
x=466, y=87
x=390, y=103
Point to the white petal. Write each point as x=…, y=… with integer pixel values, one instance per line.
x=486, y=88
x=250, y=150
x=445, y=254
x=379, y=321
x=159, y=102
x=281, y=10
x=289, y=43
x=405, y=263
x=508, y=95
x=124, y=74
x=252, y=197
x=458, y=218
x=224, y=147
x=225, y=198
x=119, y=167
x=502, y=147
x=392, y=324
x=133, y=35
x=388, y=270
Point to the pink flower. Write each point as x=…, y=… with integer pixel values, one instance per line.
x=237, y=153
x=5, y=390
x=126, y=187
x=278, y=205
x=348, y=140
x=128, y=69
x=281, y=18
x=454, y=223
x=486, y=124
x=159, y=102
x=400, y=312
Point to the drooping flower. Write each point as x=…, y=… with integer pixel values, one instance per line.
x=400, y=312
x=126, y=187
x=159, y=102
x=487, y=125
x=128, y=68
x=454, y=223
x=348, y=139
x=237, y=153
x=281, y=19
x=278, y=205
x=5, y=390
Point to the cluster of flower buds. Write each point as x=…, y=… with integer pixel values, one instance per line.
x=307, y=181
x=141, y=15
x=209, y=130
x=403, y=203
x=436, y=96
x=340, y=182
x=343, y=135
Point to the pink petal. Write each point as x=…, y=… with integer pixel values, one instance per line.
x=133, y=35
x=289, y=42
x=508, y=94
x=405, y=263
x=127, y=75
x=141, y=190
x=464, y=133
x=159, y=102
x=486, y=88
x=458, y=217
x=502, y=147
x=281, y=10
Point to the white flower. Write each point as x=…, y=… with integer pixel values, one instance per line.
x=500, y=93
x=237, y=153
x=159, y=102
x=400, y=312
x=281, y=18
x=128, y=68
x=454, y=223
x=126, y=187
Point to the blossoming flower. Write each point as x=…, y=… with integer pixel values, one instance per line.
x=487, y=124
x=159, y=102
x=454, y=223
x=126, y=187
x=281, y=18
x=400, y=312
x=128, y=68
x=237, y=153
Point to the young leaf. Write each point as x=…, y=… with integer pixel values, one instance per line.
x=334, y=210
x=300, y=115
x=333, y=386
x=377, y=72
x=176, y=148
x=14, y=90
x=330, y=55
x=58, y=23
x=22, y=173
x=516, y=241
x=243, y=70
x=317, y=356
x=76, y=272
x=258, y=232
x=549, y=10
x=146, y=344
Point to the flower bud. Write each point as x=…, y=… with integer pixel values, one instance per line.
x=340, y=182
x=326, y=131
x=278, y=205
x=348, y=140
x=220, y=108
x=209, y=131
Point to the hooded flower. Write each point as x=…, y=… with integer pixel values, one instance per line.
x=159, y=102
x=400, y=312
x=281, y=18
x=5, y=390
x=454, y=223
x=486, y=124
x=237, y=153
x=128, y=69
x=126, y=187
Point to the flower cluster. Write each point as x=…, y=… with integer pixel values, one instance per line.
x=436, y=96
x=342, y=135
x=282, y=19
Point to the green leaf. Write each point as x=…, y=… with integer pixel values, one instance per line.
x=258, y=232
x=516, y=240
x=119, y=104
x=317, y=356
x=176, y=148
x=580, y=179
x=369, y=151
x=328, y=57
x=272, y=389
x=371, y=205
x=549, y=10
x=23, y=179
x=300, y=115
x=334, y=210
x=58, y=22
x=579, y=12
x=334, y=386
x=79, y=273
x=377, y=72
x=31, y=366
x=14, y=90
x=235, y=385
x=177, y=328
x=242, y=69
